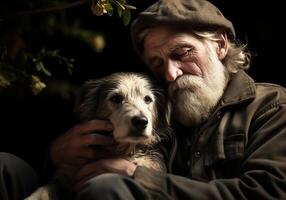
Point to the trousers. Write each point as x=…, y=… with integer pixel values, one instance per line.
x=110, y=187
x=17, y=178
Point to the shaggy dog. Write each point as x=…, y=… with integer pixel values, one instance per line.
x=139, y=112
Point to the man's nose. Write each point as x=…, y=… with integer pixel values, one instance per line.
x=172, y=70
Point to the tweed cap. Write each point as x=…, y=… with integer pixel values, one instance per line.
x=181, y=14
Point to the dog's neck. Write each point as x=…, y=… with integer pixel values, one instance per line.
x=128, y=149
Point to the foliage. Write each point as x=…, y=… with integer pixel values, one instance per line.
x=27, y=66
x=25, y=58
x=101, y=7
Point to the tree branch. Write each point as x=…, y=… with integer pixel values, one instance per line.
x=56, y=8
x=51, y=9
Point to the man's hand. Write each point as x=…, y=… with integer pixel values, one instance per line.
x=110, y=165
x=78, y=145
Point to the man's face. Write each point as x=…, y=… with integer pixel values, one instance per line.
x=192, y=70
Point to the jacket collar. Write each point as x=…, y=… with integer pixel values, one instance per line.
x=241, y=88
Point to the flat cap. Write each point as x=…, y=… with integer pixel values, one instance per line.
x=183, y=14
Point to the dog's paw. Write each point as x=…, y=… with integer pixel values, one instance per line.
x=41, y=193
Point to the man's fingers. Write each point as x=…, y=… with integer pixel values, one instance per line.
x=92, y=126
x=96, y=139
x=74, y=144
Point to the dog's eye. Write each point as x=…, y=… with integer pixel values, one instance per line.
x=116, y=98
x=148, y=99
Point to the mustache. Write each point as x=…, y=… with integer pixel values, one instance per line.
x=185, y=82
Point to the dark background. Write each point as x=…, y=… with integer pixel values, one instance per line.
x=29, y=123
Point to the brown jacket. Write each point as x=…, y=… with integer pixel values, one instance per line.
x=239, y=153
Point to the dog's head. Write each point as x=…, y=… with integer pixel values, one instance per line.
x=131, y=102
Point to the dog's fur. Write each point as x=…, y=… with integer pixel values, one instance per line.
x=139, y=112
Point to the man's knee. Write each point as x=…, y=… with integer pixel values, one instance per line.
x=14, y=164
x=105, y=182
x=111, y=186
x=5, y=158
x=17, y=178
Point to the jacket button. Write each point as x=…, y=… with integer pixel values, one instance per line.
x=218, y=115
x=197, y=154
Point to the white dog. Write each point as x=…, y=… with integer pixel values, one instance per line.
x=139, y=112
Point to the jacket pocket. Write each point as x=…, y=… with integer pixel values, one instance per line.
x=227, y=166
x=224, y=149
x=234, y=146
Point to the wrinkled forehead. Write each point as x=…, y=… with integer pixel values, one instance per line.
x=160, y=39
x=157, y=36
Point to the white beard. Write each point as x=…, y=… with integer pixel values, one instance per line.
x=194, y=97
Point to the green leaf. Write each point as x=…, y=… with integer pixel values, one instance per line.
x=110, y=12
x=109, y=9
x=70, y=66
x=130, y=7
x=120, y=5
x=33, y=59
x=40, y=67
x=126, y=15
x=122, y=1
x=119, y=10
x=53, y=53
x=47, y=72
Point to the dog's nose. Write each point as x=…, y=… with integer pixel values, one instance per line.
x=139, y=122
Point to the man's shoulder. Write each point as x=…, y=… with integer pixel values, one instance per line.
x=271, y=91
x=269, y=98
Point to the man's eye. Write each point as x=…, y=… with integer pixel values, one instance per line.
x=156, y=64
x=181, y=53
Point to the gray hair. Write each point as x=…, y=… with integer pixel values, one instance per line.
x=238, y=55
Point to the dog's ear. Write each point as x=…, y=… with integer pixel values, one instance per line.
x=88, y=98
x=164, y=108
x=168, y=111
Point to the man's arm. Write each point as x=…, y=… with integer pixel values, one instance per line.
x=262, y=172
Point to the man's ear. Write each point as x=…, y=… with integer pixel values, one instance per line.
x=222, y=47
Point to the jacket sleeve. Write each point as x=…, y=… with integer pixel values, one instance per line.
x=261, y=175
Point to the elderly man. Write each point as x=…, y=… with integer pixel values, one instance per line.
x=230, y=131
